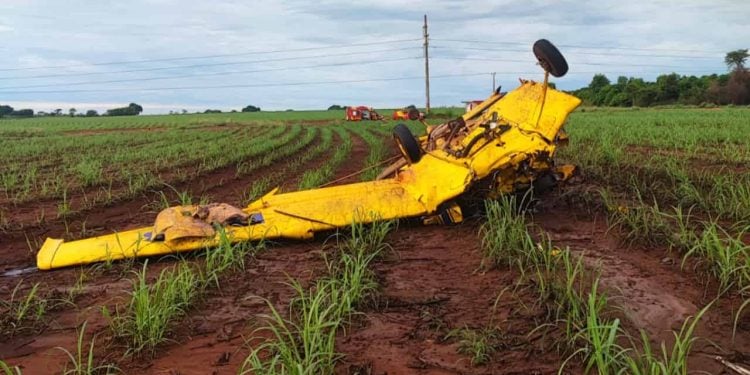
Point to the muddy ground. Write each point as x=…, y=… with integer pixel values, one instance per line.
x=431, y=283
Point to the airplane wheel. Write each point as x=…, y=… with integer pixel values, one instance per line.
x=544, y=183
x=407, y=144
x=550, y=58
x=413, y=114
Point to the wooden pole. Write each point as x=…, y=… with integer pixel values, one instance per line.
x=426, y=65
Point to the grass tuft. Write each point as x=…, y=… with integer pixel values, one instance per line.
x=20, y=313
x=505, y=238
x=666, y=362
x=225, y=257
x=478, y=344
x=145, y=321
x=82, y=362
x=6, y=369
x=727, y=257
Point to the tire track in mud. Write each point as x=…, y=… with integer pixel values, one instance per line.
x=649, y=286
x=647, y=301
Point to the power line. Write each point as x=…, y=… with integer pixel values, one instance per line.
x=207, y=65
x=308, y=67
x=578, y=53
x=681, y=69
x=309, y=83
x=580, y=46
x=578, y=63
x=210, y=56
x=602, y=72
x=212, y=73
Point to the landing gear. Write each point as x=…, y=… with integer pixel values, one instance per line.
x=407, y=143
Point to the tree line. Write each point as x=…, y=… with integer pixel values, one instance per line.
x=714, y=89
x=249, y=108
x=7, y=111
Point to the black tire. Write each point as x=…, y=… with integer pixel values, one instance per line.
x=544, y=183
x=550, y=58
x=407, y=144
x=413, y=114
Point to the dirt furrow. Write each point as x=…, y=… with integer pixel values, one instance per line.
x=356, y=160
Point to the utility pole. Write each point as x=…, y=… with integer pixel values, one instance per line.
x=493, y=82
x=426, y=65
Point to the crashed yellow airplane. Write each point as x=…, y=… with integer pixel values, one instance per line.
x=502, y=146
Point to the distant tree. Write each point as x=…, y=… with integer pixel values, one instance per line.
x=184, y=111
x=5, y=110
x=72, y=112
x=212, y=111
x=251, y=108
x=335, y=107
x=599, y=82
x=131, y=110
x=692, y=90
x=669, y=87
x=645, y=96
x=234, y=111
x=92, y=113
x=22, y=113
x=735, y=60
x=598, y=92
x=738, y=87
x=57, y=112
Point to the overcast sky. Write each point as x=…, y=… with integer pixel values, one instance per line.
x=267, y=53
